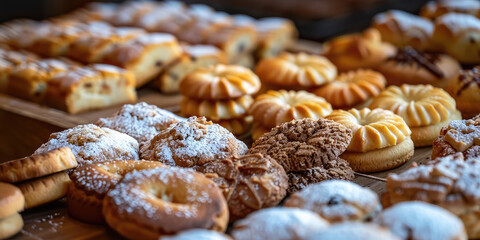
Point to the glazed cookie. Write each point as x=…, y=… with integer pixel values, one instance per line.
x=192, y=142
x=288, y=223
x=381, y=139
x=296, y=71
x=216, y=110
x=220, y=82
x=410, y=66
x=352, y=89
x=353, y=231
x=418, y=220
x=425, y=109
x=465, y=88
x=141, y=121
x=337, y=201
x=91, y=144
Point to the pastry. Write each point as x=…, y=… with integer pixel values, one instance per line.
x=435, y=9
x=418, y=220
x=354, y=51
x=46, y=189
x=425, y=109
x=11, y=225
x=449, y=182
x=192, y=142
x=465, y=88
x=237, y=126
x=410, y=66
x=274, y=36
x=289, y=223
x=220, y=82
x=200, y=234
x=92, y=87
x=39, y=165
x=248, y=183
x=459, y=136
x=276, y=107
x=353, y=231
x=144, y=205
x=216, y=110
x=459, y=36
x=245, y=60
x=296, y=71
x=381, y=139
x=91, y=144
x=12, y=200
x=91, y=182
x=352, y=89
x=336, y=201
x=233, y=40
x=193, y=58
x=404, y=29
x=141, y=121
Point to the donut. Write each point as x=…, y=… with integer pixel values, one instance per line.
x=141, y=121
x=352, y=89
x=381, y=139
x=36, y=166
x=164, y=201
x=296, y=71
x=425, y=109
x=353, y=231
x=278, y=223
x=199, y=234
x=192, y=142
x=12, y=200
x=248, y=183
x=216, y=110
x=418, y=220
x=219, y=82
x=465, y=88
x=46, y=189
x=90, y=144
x=91, y=182
x=276, y=107
x=237, y=126
x=336, y=201
x=461, y=136
x=11, y=225
x=449, y=182
x=410, y=66
x=354, y=51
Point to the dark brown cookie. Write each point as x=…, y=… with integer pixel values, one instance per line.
x=303, y=144
x=335, y=169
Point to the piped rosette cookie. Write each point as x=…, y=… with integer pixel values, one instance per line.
x=425, y=109
x=465, y=88
x=381, y=139
x=221, y=93
x=276, y=107
x=450, y=182
x=352, y=89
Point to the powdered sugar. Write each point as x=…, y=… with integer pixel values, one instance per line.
x=197, y=234
x=90, y=144
x=457, y=22
x=353, y=231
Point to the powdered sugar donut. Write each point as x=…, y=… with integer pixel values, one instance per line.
x=198, y=234
x=353, y=231
x=336, y=200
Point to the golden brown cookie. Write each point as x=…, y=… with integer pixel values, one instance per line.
x=11, y=225
x=12, y=200
x=216, y=110
x=45, y=189
x=237, y=126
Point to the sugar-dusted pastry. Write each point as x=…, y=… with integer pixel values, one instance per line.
x=192, y=142
x=435, y=9
x=278, y=223
x=459, y=36
x=141, y=121
x=200, y=234
x=353, y=231
x=275, y=107
x=90, y=87
x=163, y=201
x=465, y=88
x=337, y=201
x=404, y=29
x=296, y=71
x=450, y=182
x=216, y=110
x=91, y=144
x=381, y=139
x=425, y=109
x=352, y=89
x=418, y=220
x=45, y=189
x=220, y=82
x=410, y=66
x=353, y=51
x=459, y=136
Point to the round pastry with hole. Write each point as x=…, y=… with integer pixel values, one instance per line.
x=164, y=201
x=425, y=109
x=381, y=139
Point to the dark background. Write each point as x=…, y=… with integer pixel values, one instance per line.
x=315, y=19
